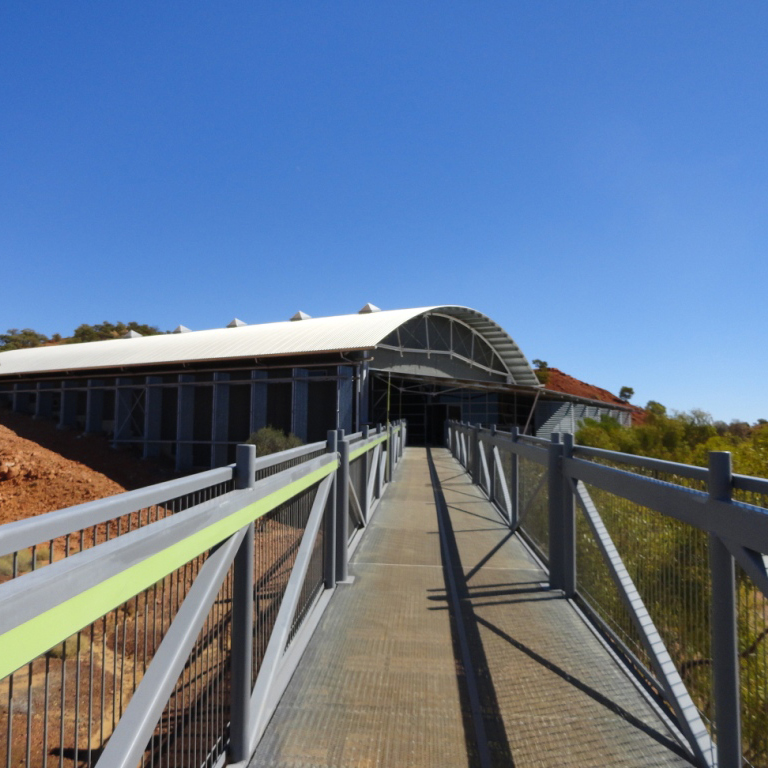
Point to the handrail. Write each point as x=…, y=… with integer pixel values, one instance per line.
x=132, y=561
x=26, y=533
x=535, y=489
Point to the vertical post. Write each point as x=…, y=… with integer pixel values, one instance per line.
x=723, y=625
x=555, y=487
x=258, y=401
x=476, y=454
x=345, y=393
x=220, y=420
x=390, y=453
x=68, y=405
x=242, y=619
x=300, y=402
x=514, y=482
x=366, y=470
x=342, y=513
x=94, y=406
x=20, y=397
x=568, y=518
x=123, y=403
x=329, y=530
x=44, y=400
x=153, y=408
x=492, y=468
x=185, y=420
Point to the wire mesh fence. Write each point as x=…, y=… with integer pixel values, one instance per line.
x=534, y=505
x=60, y=709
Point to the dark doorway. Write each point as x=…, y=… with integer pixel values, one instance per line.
x=436, y=416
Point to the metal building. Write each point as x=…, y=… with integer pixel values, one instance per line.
x=193, y=395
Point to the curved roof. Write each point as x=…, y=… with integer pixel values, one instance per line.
x=341, y=333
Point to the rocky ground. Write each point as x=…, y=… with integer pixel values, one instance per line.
x=43, y=468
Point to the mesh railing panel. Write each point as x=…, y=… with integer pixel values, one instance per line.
x=534, y=504
x=60, y=709
x=668, y=562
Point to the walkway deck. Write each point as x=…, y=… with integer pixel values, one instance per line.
x=392, y=678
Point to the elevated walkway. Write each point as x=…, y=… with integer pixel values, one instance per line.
x=448, y=649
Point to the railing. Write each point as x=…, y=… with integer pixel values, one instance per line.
x=161, y=626
x=667, y=560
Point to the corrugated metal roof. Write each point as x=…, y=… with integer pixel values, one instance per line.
x=341, y=333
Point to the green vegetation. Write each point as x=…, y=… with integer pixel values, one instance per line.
x=271, y=440
x=542, y=371
x=668, y=560
x=14, y=338
x=626, y=393
x=683, y=437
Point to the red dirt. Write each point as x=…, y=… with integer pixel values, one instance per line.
x=562, y=382
x=43, y=468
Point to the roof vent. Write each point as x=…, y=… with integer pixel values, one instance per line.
x=236, y=323
x=180, y=329
x=368, y=308
x=301, y=316
x=131, y=335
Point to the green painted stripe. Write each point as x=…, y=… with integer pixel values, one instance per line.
x=26, y=642
x=364, y=449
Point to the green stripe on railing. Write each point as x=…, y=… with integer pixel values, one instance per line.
x=27, y=641
x=365, y=448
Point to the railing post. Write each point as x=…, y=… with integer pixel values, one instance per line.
x=514, y=481
x=476, y=454
x=342, y=511
x=390, y=452
x=492, y=468
x=366, y=471
x=723, y=625
x=329, y=530
x=568, y=519
x=242, y=619
x=555, y=487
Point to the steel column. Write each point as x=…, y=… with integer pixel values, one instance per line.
x=123, y=403
x=366, y=469
x=68, y=405
x=44, y=400
x=329, y=530
x=220, y=420
x=185, y=418
x=342, y=507
x=258, y=400
x=724, y=626
x=153, y=406
x=300, y=403
x=242, y=620
x=514, y=482
x=94, y=407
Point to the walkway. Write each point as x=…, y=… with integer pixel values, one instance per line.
x=391, y=678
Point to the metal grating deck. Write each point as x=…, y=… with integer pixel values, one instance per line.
x=384, y=683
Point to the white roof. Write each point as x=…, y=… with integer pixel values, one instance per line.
x=341, y=333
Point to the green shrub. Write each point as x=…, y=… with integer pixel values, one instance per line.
x=23, y=561
x=271, y=440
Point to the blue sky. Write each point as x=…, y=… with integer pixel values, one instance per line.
x=591, y=175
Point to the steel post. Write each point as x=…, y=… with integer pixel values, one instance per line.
x=329, y=530
x=342, y=510
x=366, y=471
x=514, y=482
x=476, y=455
x=723, y=626
x=568, y=518
x=390, y=452
x=555, y=487
x=242, y=641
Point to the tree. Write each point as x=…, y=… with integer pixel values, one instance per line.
x=542, y=371
x=16, y=339
x=626, y=393
x=107, y=330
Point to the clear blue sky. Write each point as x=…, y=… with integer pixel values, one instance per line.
x=591, y=175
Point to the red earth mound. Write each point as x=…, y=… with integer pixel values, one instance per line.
x=43, y=468
x=562, y=382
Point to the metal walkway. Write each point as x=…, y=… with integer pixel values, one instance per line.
x=448, y=649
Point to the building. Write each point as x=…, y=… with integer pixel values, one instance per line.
x=193, y=395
